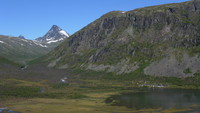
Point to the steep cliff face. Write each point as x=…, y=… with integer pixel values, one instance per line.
x=123, y=42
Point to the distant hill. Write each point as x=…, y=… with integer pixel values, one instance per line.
x=19, y=49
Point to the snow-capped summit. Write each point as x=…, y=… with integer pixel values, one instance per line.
x=55, y=34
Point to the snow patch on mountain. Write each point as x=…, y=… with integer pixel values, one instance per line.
x=24, y=40
x=2, y=42
x=39, y=44
x=50, y=39
x=53, y=41
x=64, y=33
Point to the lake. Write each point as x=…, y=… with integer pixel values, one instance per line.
x=145, y=98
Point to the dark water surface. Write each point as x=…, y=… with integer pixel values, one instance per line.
x=6, y=110
x=156, y=98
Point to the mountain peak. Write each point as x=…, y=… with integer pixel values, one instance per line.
x=56, y=28
x=21, y=36
x=55, y=34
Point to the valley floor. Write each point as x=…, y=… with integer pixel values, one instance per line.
x=86, y=96
x=39, y=90
x=93, y=104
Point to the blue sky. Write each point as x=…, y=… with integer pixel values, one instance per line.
x=33, y=18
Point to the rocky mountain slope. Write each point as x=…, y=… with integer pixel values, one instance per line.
x=19, y=49
x=160, y=41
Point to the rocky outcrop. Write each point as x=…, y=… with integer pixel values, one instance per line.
x=119, y=68
x=170, y=66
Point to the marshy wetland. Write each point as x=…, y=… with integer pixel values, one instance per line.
x=95, y=96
